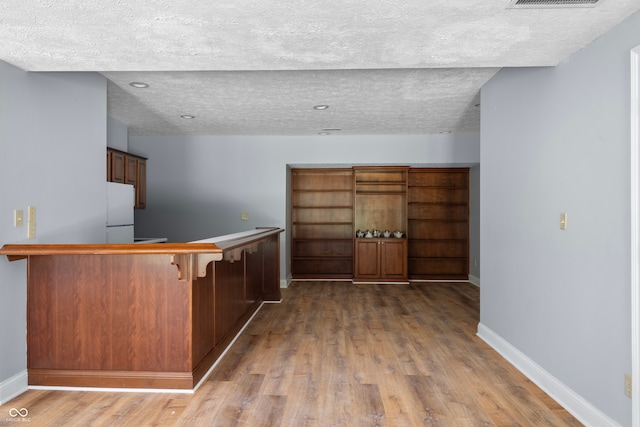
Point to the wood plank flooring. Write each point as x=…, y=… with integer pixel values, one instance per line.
x=335, y=354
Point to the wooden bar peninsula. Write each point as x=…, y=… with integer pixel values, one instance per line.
x=144, y=316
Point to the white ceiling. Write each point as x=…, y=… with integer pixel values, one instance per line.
x=257, y=68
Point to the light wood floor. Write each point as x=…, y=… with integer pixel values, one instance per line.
x=335, y=354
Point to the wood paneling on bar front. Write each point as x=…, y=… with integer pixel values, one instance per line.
x=82, y=317
x=141, y=316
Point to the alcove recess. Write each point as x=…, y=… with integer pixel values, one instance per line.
x=430, y=206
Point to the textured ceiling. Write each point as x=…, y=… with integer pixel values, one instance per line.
x=256, y=67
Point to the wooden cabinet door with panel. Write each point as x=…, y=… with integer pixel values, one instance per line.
x=393, y=259
x=130, y=170
x=367, y=260
x=380, y=260
x=117, y=166
x=141, y=184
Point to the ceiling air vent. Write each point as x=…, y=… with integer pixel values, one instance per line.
x=543, y=4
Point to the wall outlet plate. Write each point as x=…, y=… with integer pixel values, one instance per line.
x=18, y=218
x=627, y=384
x=563, y=221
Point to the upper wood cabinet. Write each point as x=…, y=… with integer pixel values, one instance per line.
x=141, y=183
x=131, y=169
x=115, y=166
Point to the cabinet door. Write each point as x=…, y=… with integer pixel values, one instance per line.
x=141, y=184
x=109, y=179
x=131, y=170
x=117, y=166
x=367, y=257
x=393, y=259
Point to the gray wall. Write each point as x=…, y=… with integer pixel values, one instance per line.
x=199, y=186
x=117, y=134
x=557, y=140
x=52, y=149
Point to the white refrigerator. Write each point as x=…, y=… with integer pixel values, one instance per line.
x=120, y=205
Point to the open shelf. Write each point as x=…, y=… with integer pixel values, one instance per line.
x=438, y=218
x=322, y=223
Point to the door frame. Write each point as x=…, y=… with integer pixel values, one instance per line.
x=635, y=235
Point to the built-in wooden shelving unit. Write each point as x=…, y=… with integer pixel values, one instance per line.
x=322, y=223
x=438, y=218
x=430, y=206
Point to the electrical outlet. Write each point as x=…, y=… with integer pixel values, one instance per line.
x=18, y=218
x=245, y=216
x=627, y=384
x=563, y=221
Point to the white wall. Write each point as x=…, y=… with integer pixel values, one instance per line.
x=198, y=187
x=52, y=150
x=557, y=140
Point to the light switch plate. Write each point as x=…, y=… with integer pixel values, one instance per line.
x=563, y=221
x=31, y=213
x=31, y=229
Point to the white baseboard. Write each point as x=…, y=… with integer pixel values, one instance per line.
x=284, y=283
x=14, y=386
x=585, y=412
x=474, y=280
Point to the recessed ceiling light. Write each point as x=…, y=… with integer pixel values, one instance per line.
x=445, y=132
x=320, y=107
x=139, y=85
x=324, y=133
x=331, y=129
x=188, y=116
